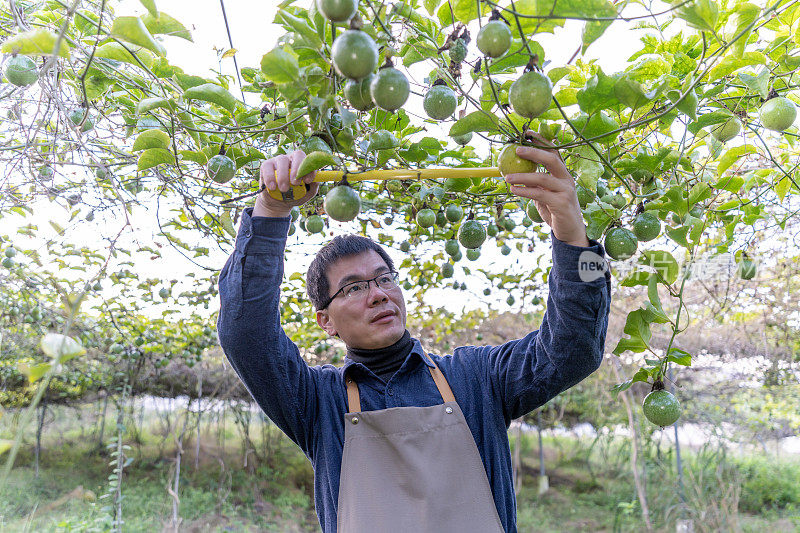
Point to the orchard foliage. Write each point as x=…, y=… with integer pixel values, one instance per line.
x=679, y=135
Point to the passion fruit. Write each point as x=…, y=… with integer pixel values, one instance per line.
x=342, y=203
x=389, y=89
x=661, y=408
x=620, y=243
x=531, y=94
x=471, y=235
x=454, y=213
x=727, y=130
x=357, y=93
x=21, y=71
x=646, y=226
x=354, y=54
x=439, y=102
x=338, y=10
x=494, y=38
x=463, y=140
x=426, y=218
x=508, y=162
x=777, y=114
x=314, y=224
x=221, y=168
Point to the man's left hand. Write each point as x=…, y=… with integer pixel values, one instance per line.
x=553, y=192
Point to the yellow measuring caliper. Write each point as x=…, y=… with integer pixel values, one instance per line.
x=298, y=191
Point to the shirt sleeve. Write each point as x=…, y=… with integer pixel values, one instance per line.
x=569, y=344
x=252, y=338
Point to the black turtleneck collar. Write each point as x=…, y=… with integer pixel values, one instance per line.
x=384, y=362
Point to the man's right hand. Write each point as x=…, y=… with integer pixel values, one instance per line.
x=280, y=173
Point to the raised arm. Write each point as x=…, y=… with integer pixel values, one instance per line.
x=252, y=338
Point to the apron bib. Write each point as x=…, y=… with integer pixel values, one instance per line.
x=413, y=470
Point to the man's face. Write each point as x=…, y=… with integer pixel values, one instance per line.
x=353, y=318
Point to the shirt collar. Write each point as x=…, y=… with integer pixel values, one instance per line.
x=416, y=352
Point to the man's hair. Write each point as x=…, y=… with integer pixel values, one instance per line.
x=317, y=284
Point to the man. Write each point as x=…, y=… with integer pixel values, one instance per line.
x=402, y=440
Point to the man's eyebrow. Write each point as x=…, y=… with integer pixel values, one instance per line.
x=355, y=277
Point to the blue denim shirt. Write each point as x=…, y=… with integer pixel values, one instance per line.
x=492, y=384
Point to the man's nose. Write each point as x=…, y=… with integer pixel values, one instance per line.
x=378, y=296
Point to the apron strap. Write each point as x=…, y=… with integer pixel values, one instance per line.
x=354, y=400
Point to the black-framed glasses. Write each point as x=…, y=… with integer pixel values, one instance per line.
x=351, y=291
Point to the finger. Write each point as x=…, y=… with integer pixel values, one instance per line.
x=549, y=198
x=309, y=178
x=297, y=158
x=268, y=174
x=538, y=179
x=549, y=158
x=282, y=172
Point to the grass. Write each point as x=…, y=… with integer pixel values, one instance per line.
x=270, y=487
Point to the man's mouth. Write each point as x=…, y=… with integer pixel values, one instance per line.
x=383, y=318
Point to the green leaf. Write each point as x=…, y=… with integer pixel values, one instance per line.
x=315, y=161
x=598, y=93
x=163, y=24
x=151, y=139
x=638, y=330
x=759, y=83
x=662, y=262
x=148, y=104
x=746, y=14
x=213, y=93
x=680, y=357
x=732, y=155
x=598, y=219
x=431, y=5
x=730, y=183
x=133, y=30
x=700, y=191
x=190, y=155
x=39, y=42
x=475, y=121
x=729, y=64
x=587, y=166
x=60, y=348
x=137, y=56
x=679, y=235
x=699, y=14
x=300, y=26
x=153, y=157
x=279, y=66
x=150, y=5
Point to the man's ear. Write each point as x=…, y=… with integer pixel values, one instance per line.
x=324, y=321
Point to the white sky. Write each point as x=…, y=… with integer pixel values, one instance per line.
x=253, y=35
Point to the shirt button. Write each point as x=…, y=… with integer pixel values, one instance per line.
x=448, y=410
x=247, y=233
x=389, y=391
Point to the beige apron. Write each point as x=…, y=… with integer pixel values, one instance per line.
x=413, y=470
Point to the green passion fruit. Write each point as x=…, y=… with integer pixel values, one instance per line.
x=338, y=10
x=21, y=71
x=661, y=408
x=454, y=213
x=76, y=117
x=451, y=247
x=342, y=203
x=426, y=218
x=458, y=50
x=447, y=270
x=357, y=93
x=221, y=168
x=532, y=212
x=646, y=226
x=354, y=54
x=508, y=162
x=494, y=38
x=727, y=130
x=620, y=243
x=471, y=235
x=777, y=114
x=389, y=89
x=531, y=94
x=439, y=102
x=463, y=140
x=314, y=224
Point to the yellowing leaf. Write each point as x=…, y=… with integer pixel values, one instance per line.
x=35, y=43
x=229, y=53
x=57, y=227
x=151, y=139
x=60, y=347
x=5, y=445
x=35, y=372
x=151, y=6
x=133, y=30
x=153, y=157
x=732, y=155
x=227, y=223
